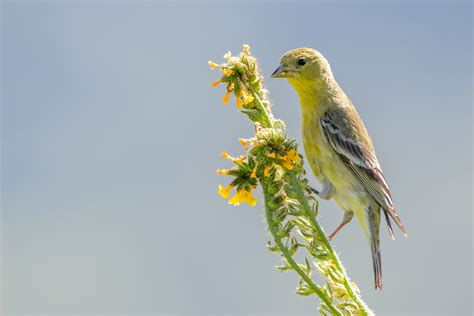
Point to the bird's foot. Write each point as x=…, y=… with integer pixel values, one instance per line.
x=313, y=190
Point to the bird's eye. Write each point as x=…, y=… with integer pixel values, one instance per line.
x=302, y=61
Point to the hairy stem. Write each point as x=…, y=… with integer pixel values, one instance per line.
x=289, y=258
x=307, y=209
x=268, y=119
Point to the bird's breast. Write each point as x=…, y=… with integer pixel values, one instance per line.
x=315, y=145
x=326, y=164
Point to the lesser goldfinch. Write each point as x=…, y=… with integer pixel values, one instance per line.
x=339, y=149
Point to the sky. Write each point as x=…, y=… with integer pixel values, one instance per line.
x=111, y=135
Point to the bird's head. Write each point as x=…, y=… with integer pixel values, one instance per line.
x=303, y=66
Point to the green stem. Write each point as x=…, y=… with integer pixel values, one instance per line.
x=268, y=119
x=289, y=258
x=307, y=209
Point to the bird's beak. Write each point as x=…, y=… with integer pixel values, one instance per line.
x=283, y=72
x=279, y=72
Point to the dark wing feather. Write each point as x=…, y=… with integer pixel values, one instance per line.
x=362, y=162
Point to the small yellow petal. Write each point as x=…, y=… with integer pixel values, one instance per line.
x=271, y=155
x=267, y=170
x=236, y=199
x=293, y=156
x=240, y=159
x=284, y=158
x=225, y=99
x=243, y=196
x=246, y=97
x=288, y=165
x=254, y=142
x=215, y=83
x=249, y=198
x=243, y=142
x=224, y=191
x=226, y=156
x=297, y=160
x=229, y=157
x=254, y=173
x=227, y=72
x=222, y=171
x=212, y=64
x=238, y=102
x=252, y=201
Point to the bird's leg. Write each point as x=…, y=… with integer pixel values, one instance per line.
x=346, y=219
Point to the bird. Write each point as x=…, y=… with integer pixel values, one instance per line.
x=339, y=149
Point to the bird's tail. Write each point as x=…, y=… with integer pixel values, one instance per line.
x=377, y=262
x=374, y=240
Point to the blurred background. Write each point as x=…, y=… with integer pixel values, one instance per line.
x=111, y=135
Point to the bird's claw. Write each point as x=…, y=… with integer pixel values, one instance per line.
x=313, y=190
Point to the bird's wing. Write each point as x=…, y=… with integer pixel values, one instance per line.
x=350, y=140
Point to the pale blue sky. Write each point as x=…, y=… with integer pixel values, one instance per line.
x=111, y=135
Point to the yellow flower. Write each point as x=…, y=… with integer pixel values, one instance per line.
x=224, y=191
x=229, y=157
x=271, y=155
x=287, y=164
x=288, y=159
x=240, y=159
x=254, y=173
x=243, y=196
x=246, y=49
x=238, y=102
x=227, y=72
x=254, y=142
x=212, y=64
x=222, y=171
x=246, y=97
x=293, y=156
x=243, y=142
x=225, y=99
x=267, y=170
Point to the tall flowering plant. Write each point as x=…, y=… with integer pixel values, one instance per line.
x=272, y=161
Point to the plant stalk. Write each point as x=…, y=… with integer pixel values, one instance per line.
x=289, y=258
x=268, y=119
x=307, y=209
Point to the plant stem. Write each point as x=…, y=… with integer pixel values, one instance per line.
x=289, y=258
x=307, y=209
x=268, y=119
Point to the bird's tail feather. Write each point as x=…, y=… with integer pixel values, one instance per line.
x=393, y=214
x=374, y=239
x=389, y=225
x=377, y=262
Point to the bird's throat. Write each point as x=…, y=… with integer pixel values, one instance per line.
x=310, y=93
